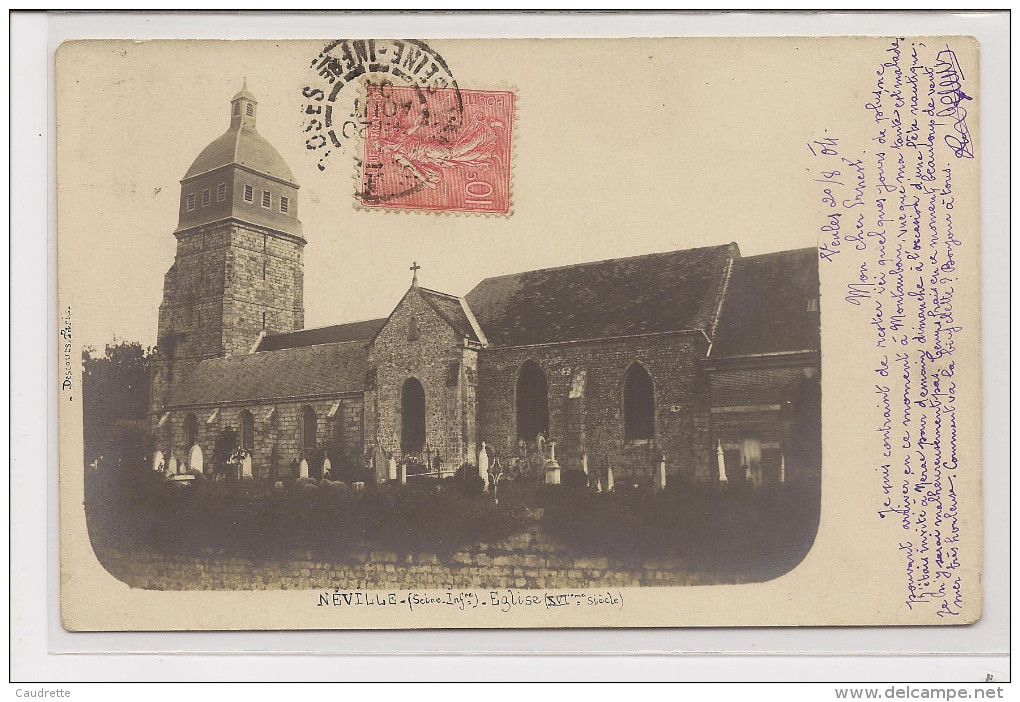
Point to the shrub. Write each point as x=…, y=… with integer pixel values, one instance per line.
x=415, y=466
x=347, y=465
x=224, y=445
x=761, y=533
x=573, y=478
x=353, y=474
x=438, y=522
x=519, y=491
x=466, y=470
x=315, y=456
x=254, y=519
x=466, y=480
x=274, y=463
x=755, y=533
x=547, y=495
x=115, y=392
x=334, y=485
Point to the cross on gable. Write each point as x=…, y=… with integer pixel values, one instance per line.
x=414, y=271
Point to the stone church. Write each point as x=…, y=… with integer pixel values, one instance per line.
x=701, y=360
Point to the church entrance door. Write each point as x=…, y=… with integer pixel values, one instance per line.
x=412, y=417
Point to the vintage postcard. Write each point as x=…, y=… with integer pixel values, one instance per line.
x=412, y=333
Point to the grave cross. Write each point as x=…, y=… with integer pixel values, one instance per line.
x=414, y=271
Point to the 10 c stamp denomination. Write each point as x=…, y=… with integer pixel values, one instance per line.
x=444, y=150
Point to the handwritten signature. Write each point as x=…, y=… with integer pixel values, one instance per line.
x=950, y=83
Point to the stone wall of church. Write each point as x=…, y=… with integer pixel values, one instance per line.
x=224, y=278
x=447, y=371
x=264, y=275
x=191, y=314
x=586, y=413
x=278, y=431
x=754, y=399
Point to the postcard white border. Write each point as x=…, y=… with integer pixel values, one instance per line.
x=33, y=498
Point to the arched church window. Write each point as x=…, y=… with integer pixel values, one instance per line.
x=309, y=425
x=250, y=110
x=638, y=404
x=191, y=431
x=412, y=329
x=237, y=108
x=412, y=416
x=247, y=431
x=532, y=402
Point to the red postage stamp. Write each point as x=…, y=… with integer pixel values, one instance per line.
x=444, y=150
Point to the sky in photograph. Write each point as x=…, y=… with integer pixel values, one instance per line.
x=621, y=148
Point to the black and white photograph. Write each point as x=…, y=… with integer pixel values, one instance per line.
x=418, y=333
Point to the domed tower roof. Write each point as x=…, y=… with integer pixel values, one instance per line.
x=241, y=144
x=240, y=177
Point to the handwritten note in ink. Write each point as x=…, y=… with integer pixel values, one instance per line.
x=895, y=227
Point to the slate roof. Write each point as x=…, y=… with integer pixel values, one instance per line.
x=354, y=331
x=659, y=292
x=244, y=92
x=450, y=308
x=244, y=146
x=766, y=305
x=320, y=369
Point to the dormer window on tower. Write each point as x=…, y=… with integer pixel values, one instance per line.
x=249, y=193
x=191, y=202
x=267, y=199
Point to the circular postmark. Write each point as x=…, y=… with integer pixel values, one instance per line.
x=348, y=71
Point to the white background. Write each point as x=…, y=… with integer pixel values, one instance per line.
x=42, y=650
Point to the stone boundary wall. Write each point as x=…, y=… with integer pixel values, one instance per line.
x=526, y=561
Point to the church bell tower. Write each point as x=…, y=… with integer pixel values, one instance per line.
x=238, y=271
